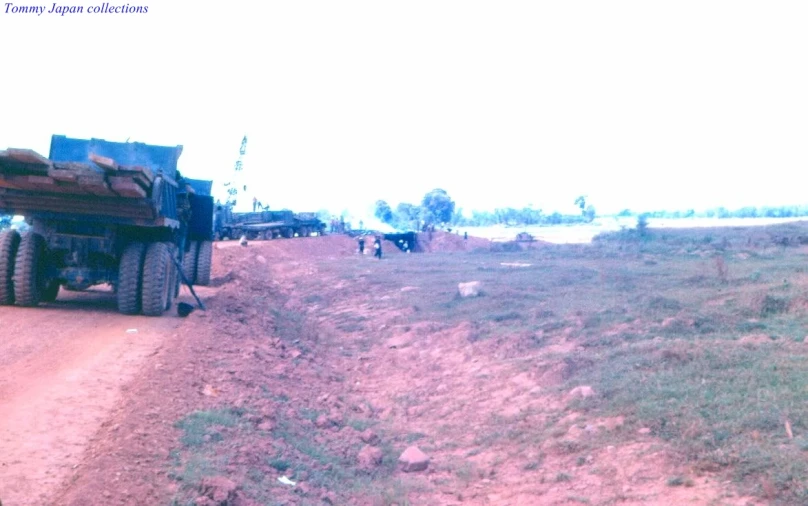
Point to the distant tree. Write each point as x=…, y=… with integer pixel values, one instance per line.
x=625, y=213
x=590, y=213
x=581, y=202
x=642, y=225
x=383, y=212
x=407, y=216
x=438, y=206
x=5, y=221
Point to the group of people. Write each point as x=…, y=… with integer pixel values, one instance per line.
x=377, y=246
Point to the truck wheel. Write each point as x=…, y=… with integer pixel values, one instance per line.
x=156, y=279
x=51, y=291
x=130, y=272
x=9, y=241
x=29, y=282
x=203, y=263
x=189, y=262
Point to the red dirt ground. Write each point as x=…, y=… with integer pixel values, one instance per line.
x=88, y=405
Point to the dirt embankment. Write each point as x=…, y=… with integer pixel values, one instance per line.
x=299, y=372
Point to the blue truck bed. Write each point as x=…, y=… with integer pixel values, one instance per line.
x=93, y=180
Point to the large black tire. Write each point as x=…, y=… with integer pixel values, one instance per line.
x=189, y=262
x=130, y=275
x=204, y=259
x=29, y=272
x=9, y=242
x=157, y=276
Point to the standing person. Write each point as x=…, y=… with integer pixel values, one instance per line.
x=465, y=236
x=377, y=244
x=361, y=245
x=255, y=203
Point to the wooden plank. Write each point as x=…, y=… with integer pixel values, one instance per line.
x=147, y=173
x=138, y=177
x=126, y=187
x=63, y=175
x=95, y=185
x=108, y=164
x=28, y=156
x=95, y=207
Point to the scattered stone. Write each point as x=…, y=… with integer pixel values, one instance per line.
x=218, y=488
x=583, y=391
x=413, y=460
x=243, y=240
x=470, y=289
x=261, y=259
x=322, y=422
x=398, y=341
x=369, y=437
x=644, y=430
x=329, y=498
x=369, y=457
x=335, y=418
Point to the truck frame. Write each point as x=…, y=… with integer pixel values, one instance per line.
x=265, y=224
x=103, y=212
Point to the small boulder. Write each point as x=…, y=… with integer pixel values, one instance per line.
x=243, y=240
x=582, y=391
x=470, y=289
x=413, y=460
x=369, y=437
x=219, y=489
x=369, y=457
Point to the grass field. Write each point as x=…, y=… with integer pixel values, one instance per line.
x=695, y=334
x=694, y=339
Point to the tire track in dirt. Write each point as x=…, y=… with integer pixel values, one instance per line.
x=62, y=367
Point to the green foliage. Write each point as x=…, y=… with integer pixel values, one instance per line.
x=383, y=211
x=5, y=221
x=438, y=206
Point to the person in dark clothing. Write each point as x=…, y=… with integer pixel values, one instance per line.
x=377, y=244
x=361, y=245
x=465, y=236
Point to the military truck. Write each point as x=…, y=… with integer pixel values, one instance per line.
x=265, y=224
x=101, y=212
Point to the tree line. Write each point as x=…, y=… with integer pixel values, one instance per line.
x=438, y=209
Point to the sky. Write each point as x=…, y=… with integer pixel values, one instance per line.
x=642, y=104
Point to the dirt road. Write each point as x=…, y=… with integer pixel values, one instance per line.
x=62, y=367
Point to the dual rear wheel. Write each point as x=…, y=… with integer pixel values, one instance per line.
x=147, y=278
x=22, y=270
x=196, y=262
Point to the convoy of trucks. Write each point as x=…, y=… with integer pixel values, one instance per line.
x=265, y=224
x=102, y=212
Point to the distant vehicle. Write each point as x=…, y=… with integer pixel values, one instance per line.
x=524, y=237
x=265, y=224
x=103, y=212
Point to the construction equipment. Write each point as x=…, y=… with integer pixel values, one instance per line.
x=265, y=224
x=103, y=212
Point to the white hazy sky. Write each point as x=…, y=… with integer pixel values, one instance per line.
x=642, y=104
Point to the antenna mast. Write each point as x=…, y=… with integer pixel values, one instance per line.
x=233, y=186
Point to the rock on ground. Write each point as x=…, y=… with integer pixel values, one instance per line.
x=413, y=460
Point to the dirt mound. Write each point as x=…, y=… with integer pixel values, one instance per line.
x=300, y=247
x=443, y=241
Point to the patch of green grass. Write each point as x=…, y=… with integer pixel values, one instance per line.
x=199, y=424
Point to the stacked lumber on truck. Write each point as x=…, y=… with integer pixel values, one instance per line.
x=24, y=169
